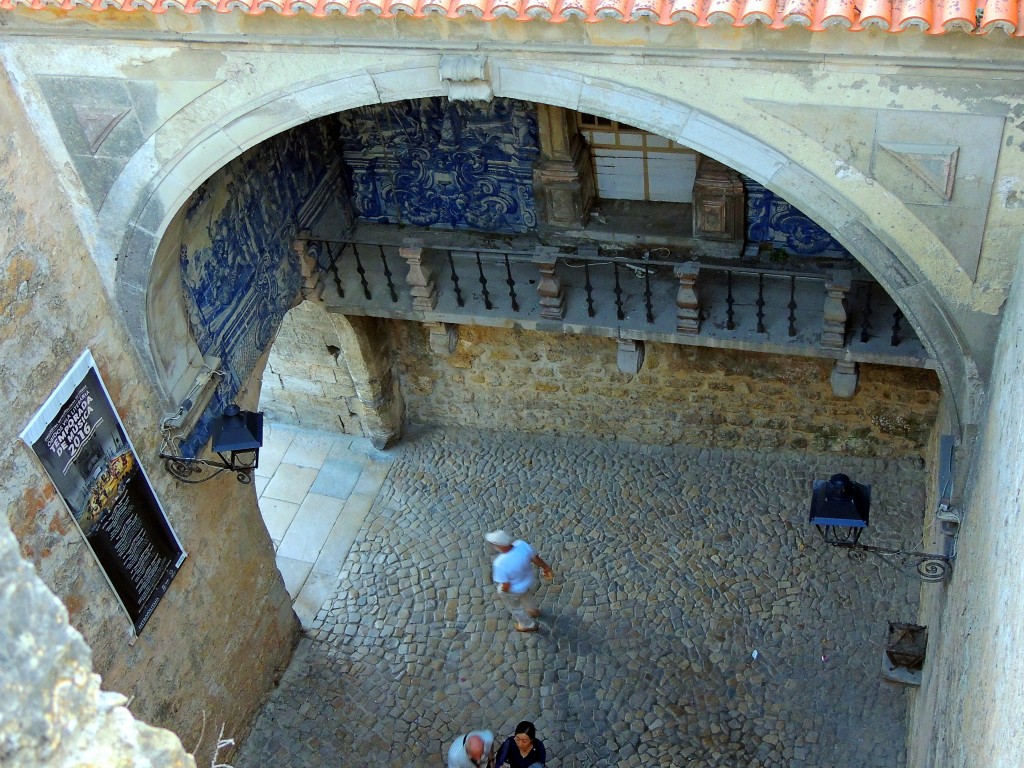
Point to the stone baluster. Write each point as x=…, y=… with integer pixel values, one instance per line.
x=552, y=300
x=421, y=282
x=688, y=299
x=833, y=331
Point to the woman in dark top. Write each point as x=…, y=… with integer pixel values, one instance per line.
x=523, y=749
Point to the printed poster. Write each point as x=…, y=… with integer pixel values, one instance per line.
x=81, y=443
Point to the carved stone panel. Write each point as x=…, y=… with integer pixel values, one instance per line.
x=718, y=202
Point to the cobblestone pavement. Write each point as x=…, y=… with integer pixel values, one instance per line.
x=673, y=565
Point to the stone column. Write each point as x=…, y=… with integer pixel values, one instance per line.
x=564, y=186
x=688, y=299
x=552, y=300
x=833, y=330
x=719, y=207
x=421, y=282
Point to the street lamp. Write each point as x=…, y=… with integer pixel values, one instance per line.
x=839, y=509
x=236, y=436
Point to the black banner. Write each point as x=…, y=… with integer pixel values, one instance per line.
x=81, y=443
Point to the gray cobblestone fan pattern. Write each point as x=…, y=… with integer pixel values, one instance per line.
x=673, y=565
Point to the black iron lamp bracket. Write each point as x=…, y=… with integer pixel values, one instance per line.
x=923, y=566
x=839, y=510
x=191, y=470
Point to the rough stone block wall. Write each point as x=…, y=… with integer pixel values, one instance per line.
x=306, y=381
x=967, y=713
x=225, y=628
x=570, y=385
x=52, y=711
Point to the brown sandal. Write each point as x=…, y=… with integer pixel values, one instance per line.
x=526, y=629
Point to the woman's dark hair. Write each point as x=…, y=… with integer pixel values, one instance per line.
x=527, y=727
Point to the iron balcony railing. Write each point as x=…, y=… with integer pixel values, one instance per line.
x=585, y=290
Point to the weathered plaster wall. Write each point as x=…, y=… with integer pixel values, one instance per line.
x=570, y=385
x=967, y=714
x=225, y=627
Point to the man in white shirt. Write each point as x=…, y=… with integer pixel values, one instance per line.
x=473, y=750
x=513, y=573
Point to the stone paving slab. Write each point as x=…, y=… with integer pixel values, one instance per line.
x=337, y=478
x=673, y=565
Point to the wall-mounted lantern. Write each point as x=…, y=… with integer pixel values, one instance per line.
x=236, y=437
x=839, y=509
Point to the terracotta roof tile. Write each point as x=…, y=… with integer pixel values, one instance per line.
x=935, y=17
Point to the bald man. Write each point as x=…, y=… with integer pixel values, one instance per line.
x=474, y=750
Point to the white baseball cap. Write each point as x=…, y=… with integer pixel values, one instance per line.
x=498, y=537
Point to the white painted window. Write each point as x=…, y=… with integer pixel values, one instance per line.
x=631, y=164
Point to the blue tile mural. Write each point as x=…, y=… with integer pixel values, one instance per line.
x=238, y=270
x=770, y=219
x=437, y=163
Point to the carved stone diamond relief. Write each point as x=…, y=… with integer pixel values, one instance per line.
x=924, y=173
x=97, y=123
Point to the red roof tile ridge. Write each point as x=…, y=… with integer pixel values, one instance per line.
x=935, y=17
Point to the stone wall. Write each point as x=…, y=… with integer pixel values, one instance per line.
x=52, y=711
x=225, y=628
x=306, y=381
x=967, y=713
x=570, y=385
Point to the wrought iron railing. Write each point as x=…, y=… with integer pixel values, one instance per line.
x=584, y=285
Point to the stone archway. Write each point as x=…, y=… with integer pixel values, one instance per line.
x=156, y=198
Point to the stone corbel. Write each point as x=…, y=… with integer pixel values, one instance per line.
x=444, y=338
x=844, y=379
x=630, y=356
x=466, y=78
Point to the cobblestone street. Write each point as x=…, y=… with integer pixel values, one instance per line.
x=672, y=567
